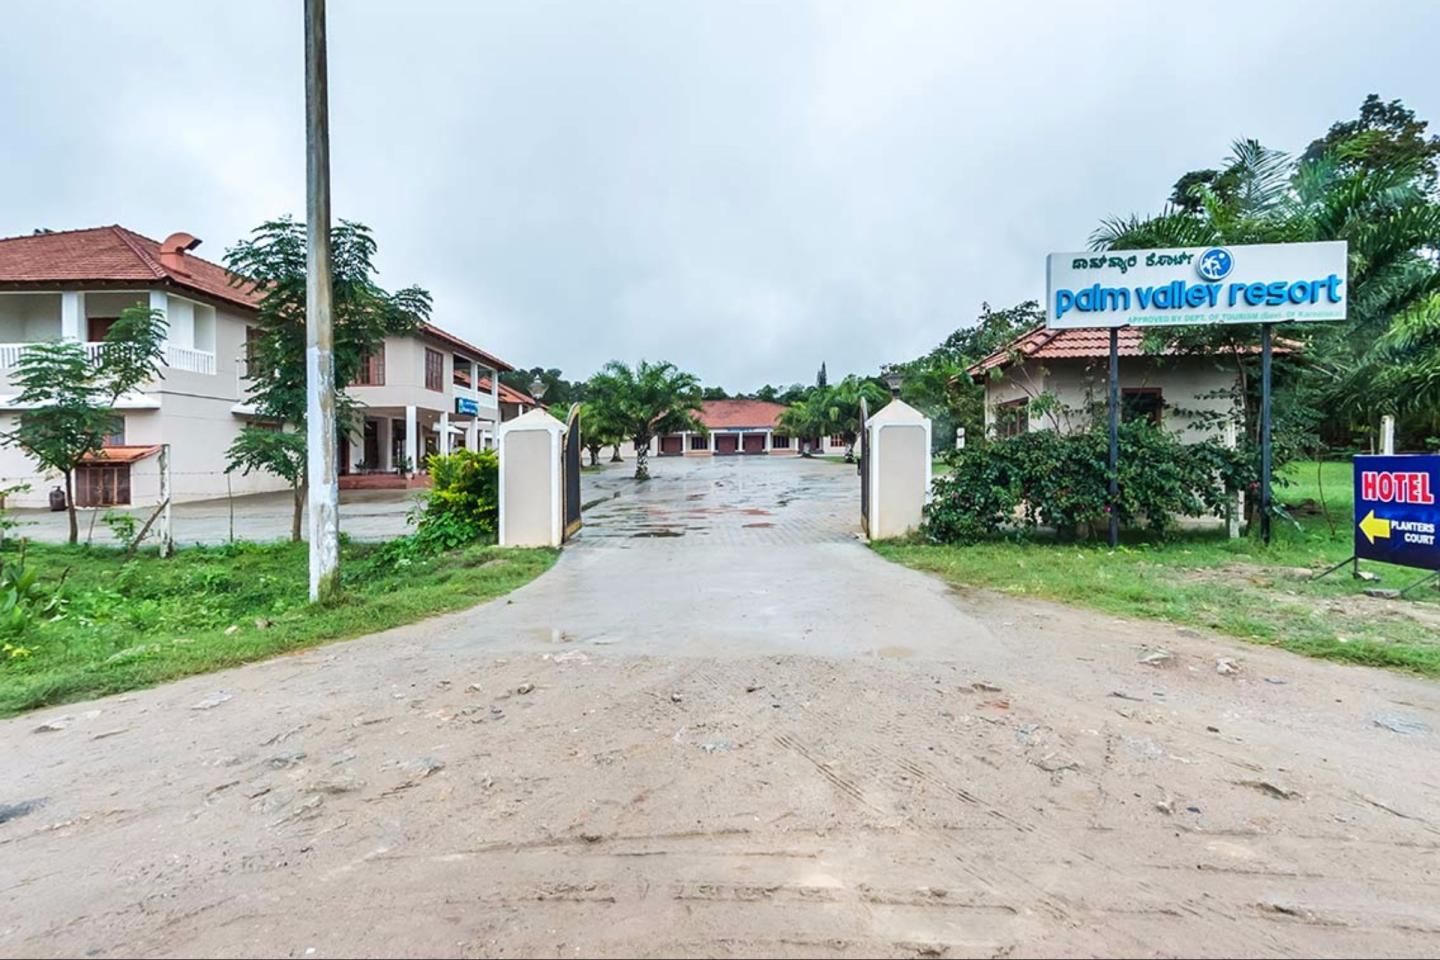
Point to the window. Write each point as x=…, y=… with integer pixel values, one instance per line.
x=434, y=370
x=115, y=436
x=372, y=369
x=699, y=441
x=102, y=485
x=460, y=375
x=837, y=440
x=97, y=327
x=778, y=442
x=252, y=348
x=1012, y=418
x=1141, y=403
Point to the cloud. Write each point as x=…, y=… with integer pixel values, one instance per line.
x=743, y=188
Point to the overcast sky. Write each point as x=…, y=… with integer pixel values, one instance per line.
x=745, y=189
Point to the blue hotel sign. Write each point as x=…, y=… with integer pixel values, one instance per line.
x=1395, y=510
x=1254, y=283
x=467, y=405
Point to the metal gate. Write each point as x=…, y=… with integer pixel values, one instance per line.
x=862, y=462
x=570, y=471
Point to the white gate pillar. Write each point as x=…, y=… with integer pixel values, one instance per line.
x=532, y=495
x=897, y=455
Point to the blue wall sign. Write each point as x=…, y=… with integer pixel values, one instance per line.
x=466, y=405
x=1395, y=510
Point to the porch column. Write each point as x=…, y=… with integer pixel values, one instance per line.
x=472, y=435
x=386, y=444
x=72, y=315
x=494, y=388
x=445, y=432
x=412, y=439
x=768, y=435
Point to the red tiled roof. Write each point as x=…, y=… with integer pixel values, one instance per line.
x=445, y=336
x=508, y=394
x=727, y=414
x=121, y=454
x=1084, y=343
x=112, y=254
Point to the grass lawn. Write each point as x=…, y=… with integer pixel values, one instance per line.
x=131, y=623
x=1236, y=587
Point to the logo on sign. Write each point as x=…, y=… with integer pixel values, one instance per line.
x=1215, y=264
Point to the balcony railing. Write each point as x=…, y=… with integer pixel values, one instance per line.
x=180, y=358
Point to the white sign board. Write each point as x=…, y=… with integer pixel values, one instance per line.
x=1258, y=283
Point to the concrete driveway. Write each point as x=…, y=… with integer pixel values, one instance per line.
x=703, y=735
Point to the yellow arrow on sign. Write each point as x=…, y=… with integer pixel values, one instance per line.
x=1373, y=526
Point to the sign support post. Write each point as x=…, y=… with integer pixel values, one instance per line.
x=1114, y=404
x=1265, y=452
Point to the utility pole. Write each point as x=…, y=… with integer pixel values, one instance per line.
x=324, y=501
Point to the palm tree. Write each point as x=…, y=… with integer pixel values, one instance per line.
x=805, y=420
x=650, y=399
x=1378, y=358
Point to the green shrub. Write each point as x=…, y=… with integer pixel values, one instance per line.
x=463, y=503
x=1047, y=479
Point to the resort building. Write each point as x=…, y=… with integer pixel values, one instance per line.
x=73, y=284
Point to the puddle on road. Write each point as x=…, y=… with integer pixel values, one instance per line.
x=894, y=653
x=762, y=523
x=658, y=533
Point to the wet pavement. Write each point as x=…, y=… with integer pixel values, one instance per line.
x=709, y=501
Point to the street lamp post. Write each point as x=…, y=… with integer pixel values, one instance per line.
x=893, y=377
x=538, y=388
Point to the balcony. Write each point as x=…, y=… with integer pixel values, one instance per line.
x=175, y=357
x=485, y=406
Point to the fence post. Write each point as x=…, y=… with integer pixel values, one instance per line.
x=897, y=455
x=532, y=494
x=167, y=495
x=1235, y=507
x=1387, y=435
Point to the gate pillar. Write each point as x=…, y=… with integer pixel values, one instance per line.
x=532, y=496
x=897, y=462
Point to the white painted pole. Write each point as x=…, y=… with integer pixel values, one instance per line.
x=1236, y=505
x=324, y=499
x=1387, y=435
x=167, y=494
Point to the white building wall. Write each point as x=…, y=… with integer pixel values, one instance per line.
x=1076, y=384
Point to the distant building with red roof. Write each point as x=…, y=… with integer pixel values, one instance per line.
x=1185, y=392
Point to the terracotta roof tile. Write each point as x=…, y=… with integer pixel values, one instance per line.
x=112, y=254
x=445, y=336
x=730, y=414
x=121, y=454
x=508, y=394
x=1075, y=343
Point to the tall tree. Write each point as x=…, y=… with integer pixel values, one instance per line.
x=821, y=380
x=67, y=400
x=645, y=401
x=1385, y=136
x=273, y=260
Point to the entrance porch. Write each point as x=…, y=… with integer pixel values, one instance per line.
x=391, y=445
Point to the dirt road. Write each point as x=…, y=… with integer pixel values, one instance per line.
x=920, y=773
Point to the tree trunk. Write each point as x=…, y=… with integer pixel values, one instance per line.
x=615, y=455
x=642, y=458
x=70, y=507
x=295, y=516
x=594, y=456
